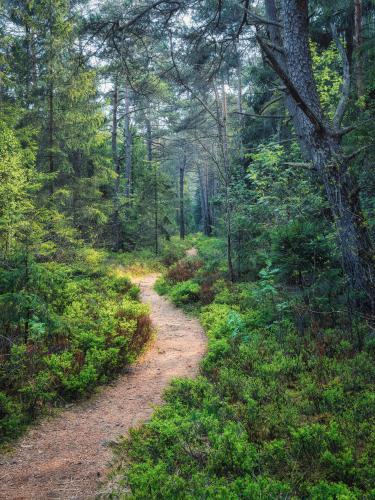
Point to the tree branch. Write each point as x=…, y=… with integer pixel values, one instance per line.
x=184, y=84
x=346, y=130
x=255, y=115
x=244, y=17
x=274, y=46
x=352, y=155
x=315, y=121
x=269, y=103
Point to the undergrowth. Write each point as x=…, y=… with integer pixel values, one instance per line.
x=275, y=413
x=71, y=327
x=67, y=326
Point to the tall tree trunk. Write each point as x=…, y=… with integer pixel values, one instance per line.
x=128, y=145
x=156, y=193
x=205, y=204
x=116, y=164
x=51, y=122
x=222, y=116
x=321, y=144
x=358, y=41
x=239, y=83
x=51, y=103
x=149, y=139
x=182, y=200
x=156, y=210
x=31, y=57
x=28, y=39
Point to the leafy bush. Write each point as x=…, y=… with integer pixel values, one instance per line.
x=185, y=292
x=183, y=270
x=174, y=250
x=162, y=286
x=84, y=324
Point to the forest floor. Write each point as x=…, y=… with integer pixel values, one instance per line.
x=65, y=457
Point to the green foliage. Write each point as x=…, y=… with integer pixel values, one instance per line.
x=174, y=250
x=162, y=286
x=300, y=249
x=272, y=414
x=326, y=65
x=15, y=188
x=183, y=270
x=64, y=330
x=184, y=293
x=285, y=402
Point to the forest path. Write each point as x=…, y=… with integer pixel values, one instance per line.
x=64, y=457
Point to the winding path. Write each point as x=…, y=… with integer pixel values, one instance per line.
x=65, y=456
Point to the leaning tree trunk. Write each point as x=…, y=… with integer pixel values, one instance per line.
x=289, y=55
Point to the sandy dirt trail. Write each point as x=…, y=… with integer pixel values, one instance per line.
x=65, y=456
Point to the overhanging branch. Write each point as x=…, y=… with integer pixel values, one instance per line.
x=315, y=120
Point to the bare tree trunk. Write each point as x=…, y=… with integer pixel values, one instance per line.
x=156, y=210
x=156, y=193
x=51, y=123
x=228, y=205
x=222, y=116
x=51, y=102
x=358, y=41
x=28, y=39
x=31, y=56
x=202, y=201
x=205, y=205
x=116, y=163
x=239, y=84
x=149, y=139
x=128, y=146
x=321, y=143
x=182, y=200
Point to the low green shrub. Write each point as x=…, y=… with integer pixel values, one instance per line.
x=175, y=249
x=162, y=286
x=85, y=323
x=273, y=414
x=186, y=292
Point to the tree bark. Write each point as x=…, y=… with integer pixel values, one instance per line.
x=222, y=116
x=239, y=84
x=156, y=193
x=182, y=199
x=149, y=139
x=51, y=122
x=128, y=146
x=116, y=163
x=206, y=216
x=321, y=145
x=51, y=102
